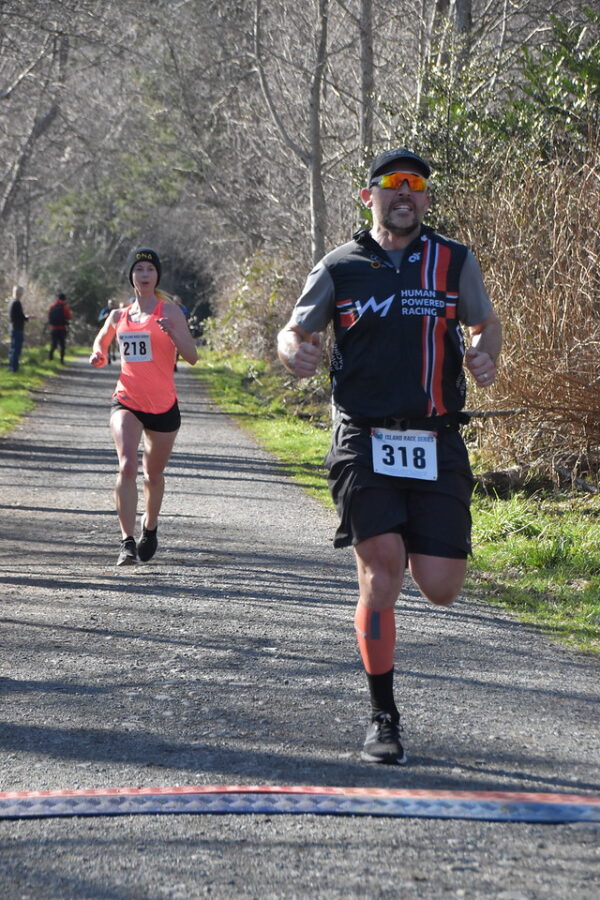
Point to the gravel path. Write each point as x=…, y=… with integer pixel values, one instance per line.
x=231, y=659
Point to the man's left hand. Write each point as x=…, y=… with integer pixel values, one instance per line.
x=481, y=366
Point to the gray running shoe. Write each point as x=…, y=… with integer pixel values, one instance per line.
x=128, y=553
x=382, y=744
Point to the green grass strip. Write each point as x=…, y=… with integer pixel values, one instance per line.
x=538, y=556
x=17, y=389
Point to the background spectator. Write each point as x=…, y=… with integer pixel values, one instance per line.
x=59, y=316
x=17, y=319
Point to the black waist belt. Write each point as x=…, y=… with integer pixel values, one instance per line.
x=448, y=422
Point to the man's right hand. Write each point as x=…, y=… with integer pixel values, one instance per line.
x=308, y=356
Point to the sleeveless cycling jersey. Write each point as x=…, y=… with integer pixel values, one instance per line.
x=146, y=382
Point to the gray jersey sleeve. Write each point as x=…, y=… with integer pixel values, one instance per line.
x=474, y=305
x=315, y=306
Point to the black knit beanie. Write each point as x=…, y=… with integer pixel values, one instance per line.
x=144, y=254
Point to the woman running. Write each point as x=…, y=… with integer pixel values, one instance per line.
x=150, y=332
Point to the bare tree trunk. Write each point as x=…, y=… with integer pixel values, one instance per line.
x=318, y=213
x=452, y=25
x=464, y=28
x=424, y=58
x=464, y=16
x=312, y=155
x=367, y=78
x=299, y=151
x=500, y=46
x=40, y=126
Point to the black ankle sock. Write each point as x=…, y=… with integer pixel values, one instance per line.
x=381, y=689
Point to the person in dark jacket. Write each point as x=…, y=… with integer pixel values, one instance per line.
x=398, y=296
x=59, y=316
x=17, y=319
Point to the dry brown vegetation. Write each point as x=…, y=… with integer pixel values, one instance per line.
x=537, y=235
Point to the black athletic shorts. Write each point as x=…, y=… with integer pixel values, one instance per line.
x=167, y=421
x=433, y=517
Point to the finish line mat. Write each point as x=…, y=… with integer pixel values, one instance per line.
x=490, y=806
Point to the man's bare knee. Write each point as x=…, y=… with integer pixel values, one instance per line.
x=380, y=563
x=440, y=580
x=442, y=597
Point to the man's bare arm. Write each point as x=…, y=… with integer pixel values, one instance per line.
x=482, y=356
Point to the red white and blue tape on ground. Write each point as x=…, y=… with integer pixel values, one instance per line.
x=490, y=806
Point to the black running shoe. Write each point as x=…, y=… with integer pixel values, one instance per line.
x=147, y=545
x=128, y=554
x=382, y=744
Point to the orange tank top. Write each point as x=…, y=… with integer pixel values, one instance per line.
x=146, y=382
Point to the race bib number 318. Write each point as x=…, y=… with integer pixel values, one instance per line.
x=135, y=346
x=405, y=454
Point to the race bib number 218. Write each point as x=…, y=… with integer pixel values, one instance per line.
x=405, y=454
x=135, y=346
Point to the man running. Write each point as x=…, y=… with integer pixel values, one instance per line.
x=397, y=296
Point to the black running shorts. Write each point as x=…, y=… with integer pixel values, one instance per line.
x=433, y=517
x=167, y=421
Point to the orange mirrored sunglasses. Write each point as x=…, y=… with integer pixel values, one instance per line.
x=395, y=180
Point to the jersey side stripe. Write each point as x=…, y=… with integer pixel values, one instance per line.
x=441, y=268
x=437, y=392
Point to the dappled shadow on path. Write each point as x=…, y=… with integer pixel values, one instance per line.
x=266, y=766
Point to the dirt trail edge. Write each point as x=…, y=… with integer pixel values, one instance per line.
x=231, y=659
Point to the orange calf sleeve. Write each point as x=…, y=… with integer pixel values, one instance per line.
x=376, y=634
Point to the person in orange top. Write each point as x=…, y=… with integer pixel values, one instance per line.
x=150, y=332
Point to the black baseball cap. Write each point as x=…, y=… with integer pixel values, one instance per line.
x=399, y=154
